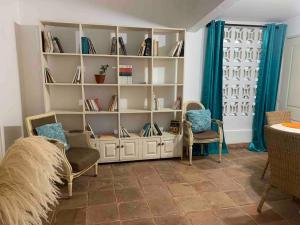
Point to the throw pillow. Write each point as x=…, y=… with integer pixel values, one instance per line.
x=200, y=119
x=53, y=131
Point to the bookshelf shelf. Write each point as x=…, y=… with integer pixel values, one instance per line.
x=154, y=75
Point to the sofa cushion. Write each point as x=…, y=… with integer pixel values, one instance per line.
x=82, y=158
x=209, y=134
x=200, y=119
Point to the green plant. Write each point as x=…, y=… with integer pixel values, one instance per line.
x=103, y=68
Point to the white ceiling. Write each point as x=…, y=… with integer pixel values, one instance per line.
x=262, y=10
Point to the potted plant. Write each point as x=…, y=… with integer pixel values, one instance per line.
x=100, y=78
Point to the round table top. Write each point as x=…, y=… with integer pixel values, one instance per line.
x=284, y=128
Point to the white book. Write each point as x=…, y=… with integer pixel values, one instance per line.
x=179, y=49
x=173, y=50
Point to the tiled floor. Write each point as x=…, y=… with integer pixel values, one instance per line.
x=169, y=192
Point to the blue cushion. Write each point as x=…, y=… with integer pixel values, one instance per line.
x=200, y=119
x=53, y=131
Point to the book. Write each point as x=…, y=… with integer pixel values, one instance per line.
x=157, y=129
x=58, y=45
x=89, y=128
x=155, y=48
x=142, y=48
x=124, y=133
x=113, y=106
x=92, y=105
x=77, y=76
x=178, y=49
x=174, y=49
x=87, y=46
x=47, y=42
x=148, y=49
x=122, y=46
x=178, y=103
x=50, y=43
x=48, y=76
x=113, y=49
x=125, y=74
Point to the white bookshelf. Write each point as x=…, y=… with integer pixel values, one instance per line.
x=161, y=75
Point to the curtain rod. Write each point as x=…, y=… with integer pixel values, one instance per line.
x=243, y=25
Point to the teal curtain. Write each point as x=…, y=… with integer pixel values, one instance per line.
x=268, y=79
x=212, y=94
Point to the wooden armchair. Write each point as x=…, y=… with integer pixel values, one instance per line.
x=78, y=159
x=275, y=118
x=206, y=137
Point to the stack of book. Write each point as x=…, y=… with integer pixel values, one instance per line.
x=48, y=76
x=124, y=133
x=87, y=46
x=77, y=76
x=89, y=128
x=92, y=105
x=125, y=74
x=146, y=130
x=122, y=46
x=175, y=126
x=51, y=44
x=156, y=130
x=178, y=103
x=113, y=106
x=178, y=49
x=155, y=48
x=145, y=48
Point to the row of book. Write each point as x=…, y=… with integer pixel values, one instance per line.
x=178, y=49
x=113, y=49
x=92, y=105
x=124, y=133
x=145, y=48
x=48, y=77
x=113, y=106
x=147, y=130
x=51, y=44
x=87, y=46
x=125, y=74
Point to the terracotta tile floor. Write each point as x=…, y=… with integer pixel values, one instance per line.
x=169, y=192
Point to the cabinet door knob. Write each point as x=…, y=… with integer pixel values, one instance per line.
x=118, y=146
x=162, y=143
x=122, y=146
x=158, y=144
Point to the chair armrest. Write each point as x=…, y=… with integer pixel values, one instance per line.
x=78, y=140
x=219, y=123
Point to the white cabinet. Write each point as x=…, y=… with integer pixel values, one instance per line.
x=167, y=147
x=151, y=148
x=109, y=151
x=129, y=150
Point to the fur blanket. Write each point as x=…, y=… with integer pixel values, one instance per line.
x=28, y=173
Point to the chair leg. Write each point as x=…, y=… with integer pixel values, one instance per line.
x=263, y=198
x=265, y=169
x=191, y=154
x=70, y=185
x=96, y=169
x=220, y=152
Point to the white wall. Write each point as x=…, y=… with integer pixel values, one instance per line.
x=10, y=113
x=293, y=26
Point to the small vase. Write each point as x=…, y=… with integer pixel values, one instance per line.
x=100, y=78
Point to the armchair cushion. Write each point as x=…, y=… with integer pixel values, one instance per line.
x=53, y=131
x=200, y=119
x=82, y=158
x=209, y=134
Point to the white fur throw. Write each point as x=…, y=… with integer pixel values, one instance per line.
x=28, y=173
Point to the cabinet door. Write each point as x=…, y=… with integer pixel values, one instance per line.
x=151, y=148
x=129, y=150
x=168, y=147
x=109, y=151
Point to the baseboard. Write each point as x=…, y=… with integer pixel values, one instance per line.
x=238, y=136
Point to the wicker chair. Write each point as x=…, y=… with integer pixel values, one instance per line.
x=78, y=159
x=206, y=137
x=284, y=156
x=275, y=118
